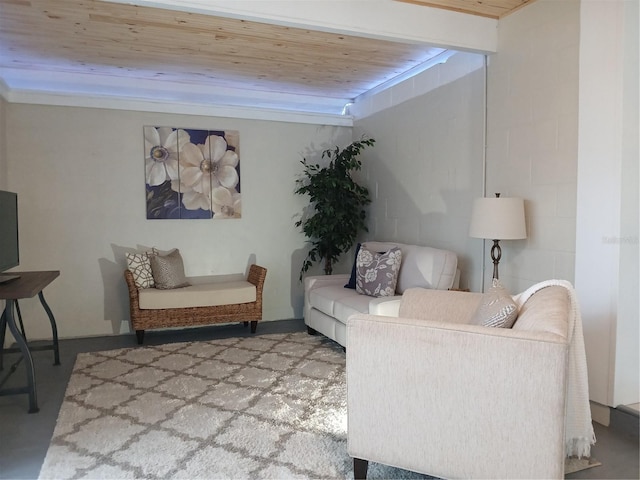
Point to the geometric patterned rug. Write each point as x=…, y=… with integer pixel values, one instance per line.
x=266, y=406
x=574, y=464
x=270, y=406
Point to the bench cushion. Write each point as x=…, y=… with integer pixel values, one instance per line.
x=199, y=295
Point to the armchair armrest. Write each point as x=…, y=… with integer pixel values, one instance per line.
x=455, y=400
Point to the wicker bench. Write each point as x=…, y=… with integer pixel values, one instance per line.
x=147, y=319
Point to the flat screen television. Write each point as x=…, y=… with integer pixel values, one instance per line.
x=9, y=245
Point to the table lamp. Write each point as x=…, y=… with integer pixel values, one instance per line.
x=499, y=218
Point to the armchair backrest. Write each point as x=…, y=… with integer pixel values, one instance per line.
x=547, y=310
x=439, y=305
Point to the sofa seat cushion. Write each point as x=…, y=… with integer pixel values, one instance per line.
x=350, y=305
x=325, y=298
x=201, y=295
x=340, y=303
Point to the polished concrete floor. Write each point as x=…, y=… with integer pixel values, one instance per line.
x=24, y=437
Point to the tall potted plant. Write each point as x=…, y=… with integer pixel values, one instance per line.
x=338, y=203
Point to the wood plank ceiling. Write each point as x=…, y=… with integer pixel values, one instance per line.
x=485, y=8
x=120, y=40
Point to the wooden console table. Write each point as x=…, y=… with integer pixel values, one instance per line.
x=26, y=286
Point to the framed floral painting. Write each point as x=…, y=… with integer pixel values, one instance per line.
x=192, y=173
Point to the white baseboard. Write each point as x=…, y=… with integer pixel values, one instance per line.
x=600, y=413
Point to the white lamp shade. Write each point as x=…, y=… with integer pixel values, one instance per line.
x=498, y=219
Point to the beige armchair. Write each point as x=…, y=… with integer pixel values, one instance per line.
x=429, y=393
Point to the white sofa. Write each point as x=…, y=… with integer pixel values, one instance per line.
x=455, y=400
x=328, y=304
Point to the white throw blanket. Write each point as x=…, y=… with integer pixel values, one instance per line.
x=578, y=429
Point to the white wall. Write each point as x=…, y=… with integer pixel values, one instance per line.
x=562, y=94
x=532, y=118
x=607, y=228
x=426, y=168
x=626, y=388
x=79, y=174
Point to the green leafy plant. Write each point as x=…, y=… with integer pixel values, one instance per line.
x=338, y=202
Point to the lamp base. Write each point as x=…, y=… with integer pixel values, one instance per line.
x=496, y=254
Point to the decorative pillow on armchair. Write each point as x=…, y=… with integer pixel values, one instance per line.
x=377, y=273
x=497, y=308
x=168, y=271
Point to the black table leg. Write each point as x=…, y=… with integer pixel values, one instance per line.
x=24, y=334
x=26, y=355
x=54, y=329
x=3, y=330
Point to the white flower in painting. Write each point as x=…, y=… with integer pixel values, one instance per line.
x=226, y=203
x=194, y=174
x=161, y=147
x=208, y=166
x=193, y=200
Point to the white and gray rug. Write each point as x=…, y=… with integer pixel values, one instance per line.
x=271, y=406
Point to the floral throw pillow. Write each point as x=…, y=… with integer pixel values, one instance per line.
x=377, y=273
x=140, y=266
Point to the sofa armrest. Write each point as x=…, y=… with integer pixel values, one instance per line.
x=316, y=281
x=484, y=402
x=385, y=306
